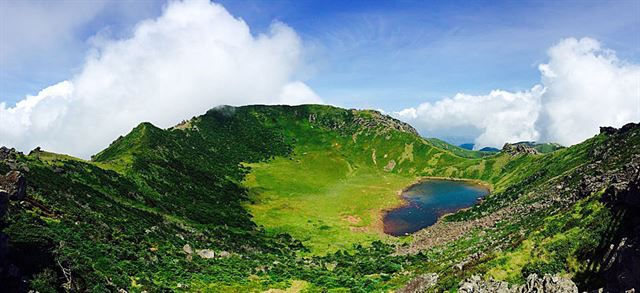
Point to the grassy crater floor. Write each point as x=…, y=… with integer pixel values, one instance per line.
x=322, y=199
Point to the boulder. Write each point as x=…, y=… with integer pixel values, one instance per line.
x=14, y=184
x=206, y=253
x=518, y=148
x=7, y=153
x=187, y=249
x=547, y=283
x=35, y=151
x=475, y=284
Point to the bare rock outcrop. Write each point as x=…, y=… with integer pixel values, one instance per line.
x=203, y=253
x=377, y=119
x=548, y=284
x=533, y=284
x=475, y=284
x=518, y=148
x=206, y=253
x=7, y=153
x=14, y=185
x=621, y=266
x=420, y=284
x=608, y=130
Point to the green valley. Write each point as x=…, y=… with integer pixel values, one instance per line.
x=258, y=197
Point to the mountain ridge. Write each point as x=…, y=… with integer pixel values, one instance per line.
x=267, y=188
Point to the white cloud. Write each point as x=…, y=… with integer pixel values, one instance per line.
x=298, y=93
x=583, y=86
x=193, y=57
x=43, y=42
x=587, y=87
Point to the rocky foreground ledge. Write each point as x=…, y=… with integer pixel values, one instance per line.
x=534, y=283
x=475, y=284
x=13, y=187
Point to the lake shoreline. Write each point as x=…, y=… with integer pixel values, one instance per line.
x=420, y=180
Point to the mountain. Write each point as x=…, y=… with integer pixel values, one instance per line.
x=274, y=197
x=489, y=149
x=543, y=148
x=467, y=146
x=457, y=150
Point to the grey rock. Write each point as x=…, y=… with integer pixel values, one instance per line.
x=187, y=249
x=547, y=283
x=14, y=184
x=518, y=148
x=7, y=153
x=421, y=283
x=534, y=284
x=607, y=130
x=475, y=284
x=206, y=253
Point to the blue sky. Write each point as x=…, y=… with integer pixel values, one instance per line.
x=76, y=73
x=390, y=54
x=367, y=54
x=45, y=42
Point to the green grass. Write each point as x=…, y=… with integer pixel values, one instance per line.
x=458, y=150
x=322, y=200
x=555, y=246
x=257, y=180
x=331, y=191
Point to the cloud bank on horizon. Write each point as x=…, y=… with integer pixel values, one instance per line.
x=195, y=56
x=583, y=86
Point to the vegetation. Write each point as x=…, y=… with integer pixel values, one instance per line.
x=289, y=197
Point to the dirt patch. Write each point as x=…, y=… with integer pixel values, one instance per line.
x=389, y=167
x=354, y=220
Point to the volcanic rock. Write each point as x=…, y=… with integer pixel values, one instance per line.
x=517, y=149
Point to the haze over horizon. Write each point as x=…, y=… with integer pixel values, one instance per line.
x=544, y=71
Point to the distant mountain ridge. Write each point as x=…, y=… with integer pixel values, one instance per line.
x=543, y=148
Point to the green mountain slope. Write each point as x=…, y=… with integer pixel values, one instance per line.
x=543, y=148
x=258, y=197
x=462, y=152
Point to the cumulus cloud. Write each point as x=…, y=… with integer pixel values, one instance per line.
x=583, y=86
x=587, y=87
x=501, y=115
x=193, y=57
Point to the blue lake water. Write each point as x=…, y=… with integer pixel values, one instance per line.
x=427, y=201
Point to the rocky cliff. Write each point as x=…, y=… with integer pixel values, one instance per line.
x=13, y=186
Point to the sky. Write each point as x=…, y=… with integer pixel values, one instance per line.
x=486, y=72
